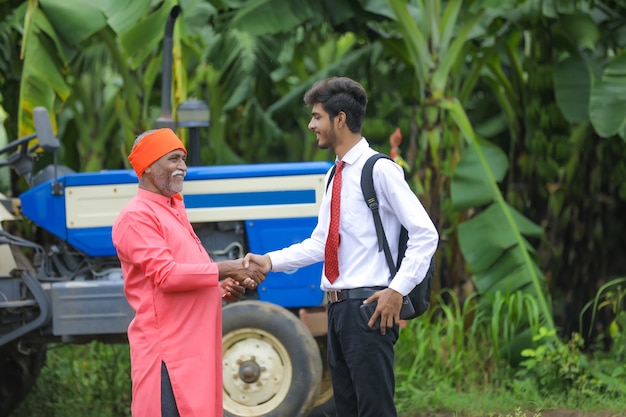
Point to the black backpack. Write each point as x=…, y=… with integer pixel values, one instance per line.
x=419, y=297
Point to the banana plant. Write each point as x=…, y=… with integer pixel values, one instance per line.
x=433, y=41
x=494, y=238
x=102, y=62
x=267, y=54
x=549, y=141
x=93, y=66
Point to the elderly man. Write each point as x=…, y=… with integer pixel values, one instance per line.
x=174, y=287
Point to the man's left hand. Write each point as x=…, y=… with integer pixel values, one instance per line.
x=389, y=303
x=231, y=290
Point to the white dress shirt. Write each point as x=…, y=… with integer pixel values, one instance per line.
x=360, y=263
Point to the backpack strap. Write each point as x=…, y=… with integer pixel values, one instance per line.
x=369, y=194
x=332, y=174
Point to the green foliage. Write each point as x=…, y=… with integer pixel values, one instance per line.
x=448, y=360
x=555, y=368
x=457, y=333
x=451, y=359
x=513, y=318
x=82, y=380
x=610, y=300
x=617, y=331
x=519, y=72
x=611, y=296
x=494, y=241
x=563, y=369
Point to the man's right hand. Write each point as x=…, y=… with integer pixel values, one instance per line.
x=248, y=275
x=263, y=261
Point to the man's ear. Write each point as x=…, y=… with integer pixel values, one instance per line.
x=341, y=119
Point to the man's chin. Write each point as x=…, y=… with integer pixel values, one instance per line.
x=175, y=190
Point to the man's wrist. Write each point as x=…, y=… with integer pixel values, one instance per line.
x=269, y=260
x=226, y=268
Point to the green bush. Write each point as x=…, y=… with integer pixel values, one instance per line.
x=82, y=380
x=455, y=359
x=458, y=358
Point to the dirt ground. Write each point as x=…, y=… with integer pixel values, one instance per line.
x=574, y=413
x=543, y=413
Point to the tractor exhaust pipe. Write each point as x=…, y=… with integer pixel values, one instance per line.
x=165, y=119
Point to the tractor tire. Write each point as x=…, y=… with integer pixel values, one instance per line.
x=20, y=369
x=20, y=365
x=271, y=363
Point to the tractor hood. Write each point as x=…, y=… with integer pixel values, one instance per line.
x=84, y=209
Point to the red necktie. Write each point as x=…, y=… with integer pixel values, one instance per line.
x=331, y=263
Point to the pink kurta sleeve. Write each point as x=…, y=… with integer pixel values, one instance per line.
x=144, y=242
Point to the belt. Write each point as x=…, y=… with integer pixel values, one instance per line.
x=352, y=294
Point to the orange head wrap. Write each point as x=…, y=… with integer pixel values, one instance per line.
x=153, y=146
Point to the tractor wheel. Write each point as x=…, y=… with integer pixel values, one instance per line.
x=271, y=362
x=20, y=369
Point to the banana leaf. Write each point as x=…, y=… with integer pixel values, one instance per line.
x=608, y=100
x=55, y=34
x=495, y=239
x=494, y=242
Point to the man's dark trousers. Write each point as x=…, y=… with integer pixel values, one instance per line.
x=361, y=363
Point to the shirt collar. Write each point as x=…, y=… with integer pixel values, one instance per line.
x=158, y=198
x=356, y=151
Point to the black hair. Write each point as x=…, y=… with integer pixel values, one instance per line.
x=340, y=94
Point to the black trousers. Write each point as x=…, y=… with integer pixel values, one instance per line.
x=361, y=363
x=168, y=402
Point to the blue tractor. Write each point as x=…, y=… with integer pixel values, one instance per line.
x=64, y=285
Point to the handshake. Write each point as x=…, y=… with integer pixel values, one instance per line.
x=237, y=275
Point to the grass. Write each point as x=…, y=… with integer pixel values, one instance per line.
x=459, y=359
x=81, y=380
x=452, y=361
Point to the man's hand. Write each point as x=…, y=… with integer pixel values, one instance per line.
x=262, y=261
x=389, y=303
x=231, y=290
x=249, y=275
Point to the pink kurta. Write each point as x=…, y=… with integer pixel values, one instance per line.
x=172, y=284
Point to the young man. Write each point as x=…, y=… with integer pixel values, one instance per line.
x=360, y=358
x=174, y=287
